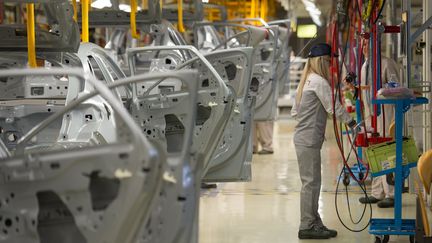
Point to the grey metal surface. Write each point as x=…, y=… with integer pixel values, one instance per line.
x=113, y=17
x=229, y=161
x=283, y=60
x=207, y=38
x=63, y=34
x=265, y=72
x=42, y=205
x=267, y=52
x=166, y=118
x=215, y=99
x=193, y=12
x=21, y=108
x=245, y=20
x=4, y=151
x=97, y=62
x=28, y=87
x=168, y=192
x=169, y=119
x=221, y=8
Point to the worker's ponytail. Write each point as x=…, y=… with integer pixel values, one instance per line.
x=304, y=75
x=319, y=65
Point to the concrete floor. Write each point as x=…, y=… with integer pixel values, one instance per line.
x=266, y=210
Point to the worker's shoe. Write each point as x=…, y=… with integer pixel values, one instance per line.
x=265, y=152
x=369, y=199
x=314, y=233
x=386, y=203
x=333, y=233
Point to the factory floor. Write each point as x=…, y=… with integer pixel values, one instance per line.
x=267, y=209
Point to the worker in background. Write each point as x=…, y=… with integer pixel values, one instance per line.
x=313, y=103
x=382, y=192
x=263, y=135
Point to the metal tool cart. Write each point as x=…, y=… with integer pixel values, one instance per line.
x=383, y=228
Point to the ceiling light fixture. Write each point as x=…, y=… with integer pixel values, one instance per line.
x=100, y=4
x=314, y=12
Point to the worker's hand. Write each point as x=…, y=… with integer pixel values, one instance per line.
x=350, y=81
x=355, y=131
x=355, y=128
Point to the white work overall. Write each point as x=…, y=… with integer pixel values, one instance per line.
x=311, y=114
x=263, y=135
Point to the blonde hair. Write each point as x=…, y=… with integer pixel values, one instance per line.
x=320, y=66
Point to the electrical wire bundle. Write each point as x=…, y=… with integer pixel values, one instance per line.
x=336, y=69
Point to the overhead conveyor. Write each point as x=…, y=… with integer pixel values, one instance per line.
x=215, y=12
x=191, y=11
x=61, y=35
x=114, y=17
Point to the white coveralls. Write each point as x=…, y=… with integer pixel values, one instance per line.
x=263, y=134
x=311, y=114
x=380, y=187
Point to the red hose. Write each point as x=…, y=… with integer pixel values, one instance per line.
x=334, y=69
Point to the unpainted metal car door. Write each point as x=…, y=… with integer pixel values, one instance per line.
x=109, y=199
x=27, y=100
x=230, y=161
x=166, y=118
x=265, y=74
x=215, y=102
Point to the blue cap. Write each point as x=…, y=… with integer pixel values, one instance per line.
x=321, y=49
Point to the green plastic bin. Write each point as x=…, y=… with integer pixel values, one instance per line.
x=382, y=156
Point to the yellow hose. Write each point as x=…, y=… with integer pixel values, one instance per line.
x=380, y=3
x=74, y=5
x=368, y=12
x=181, y=28
x=134, y=7
x=31, y=39
x=85, y=20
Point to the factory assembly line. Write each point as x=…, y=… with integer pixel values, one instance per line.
x=129, y=121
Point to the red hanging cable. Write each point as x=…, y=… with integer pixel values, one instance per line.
x=335, y=126
x=375, y=71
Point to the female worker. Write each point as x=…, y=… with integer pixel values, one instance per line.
x=311, y=108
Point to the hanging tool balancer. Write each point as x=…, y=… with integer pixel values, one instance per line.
x=355, y=22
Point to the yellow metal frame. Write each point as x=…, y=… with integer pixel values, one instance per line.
x=85, y=5
x=74, y=5
x=263, y=11
x=31, y=36
x=424, y=215
x=134, y=7
x=181, y=28
x=144, y=4
x=252, y=9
